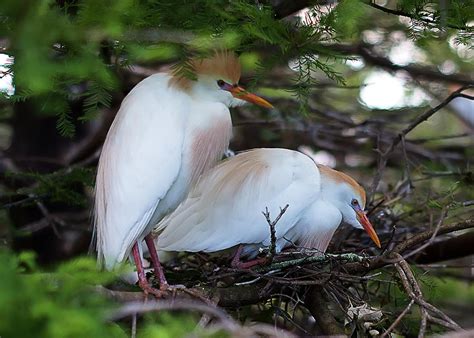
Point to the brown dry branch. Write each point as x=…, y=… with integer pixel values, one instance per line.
x=291, y=276
x=224, y=321
x=416, y=71
x=399, y=318
x=271, y=224
x=413, y=290
x=383, y=155
x=318, y=306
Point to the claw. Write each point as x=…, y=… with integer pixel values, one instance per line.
x=238, y=264
x=148, y=289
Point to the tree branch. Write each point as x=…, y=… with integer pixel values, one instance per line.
x=407, y=15
x=319, y=308
x=416, y=71
x=384, y=155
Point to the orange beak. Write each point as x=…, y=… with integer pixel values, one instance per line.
x=240, y=93
x=362, y=218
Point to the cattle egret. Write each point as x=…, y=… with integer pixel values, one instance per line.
x=168, y=131
x=224, y=209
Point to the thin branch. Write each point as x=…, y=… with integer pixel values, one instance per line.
x=399, y=318
x=133, y=308
x=414, y=292
x=411, y=16
x=434, y=233
x=370, y=57
x=426, y=235
x=384, y=155
x=323, y=258
x=266, y=213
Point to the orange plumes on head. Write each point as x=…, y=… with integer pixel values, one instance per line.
x=222, y=65
x=341, y=177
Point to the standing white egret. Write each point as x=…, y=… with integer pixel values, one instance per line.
x=224, y=208
x=168, y=131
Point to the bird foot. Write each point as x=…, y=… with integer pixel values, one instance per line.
x=238, y=264
x=149, y=290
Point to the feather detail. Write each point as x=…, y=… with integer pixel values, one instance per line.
x=208, y=146
x=341, y=177
x=318, y=242
x=222, y=65
x=225, y=207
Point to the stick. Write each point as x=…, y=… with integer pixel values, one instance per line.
x=266, y=213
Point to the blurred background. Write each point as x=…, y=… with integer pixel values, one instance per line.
x=345, y=77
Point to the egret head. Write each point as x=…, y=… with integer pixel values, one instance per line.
x=349, y=197
x=217, y=80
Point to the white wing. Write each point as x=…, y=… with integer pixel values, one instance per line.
x=140, y=160
x=225, y=207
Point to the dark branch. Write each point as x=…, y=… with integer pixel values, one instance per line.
x=417, y=71
x=319, y=307
x=384, y=155
x=272, y=224
x=407, y=15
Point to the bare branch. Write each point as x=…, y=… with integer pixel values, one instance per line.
x=384, y=155
x=399, y=318
x=266, y=213
x=415, y=71
x=407, y=15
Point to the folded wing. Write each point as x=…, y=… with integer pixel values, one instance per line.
x=140, y=160
x=225, y=207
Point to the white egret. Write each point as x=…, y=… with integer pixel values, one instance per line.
x=224, y=209
x=168, y=131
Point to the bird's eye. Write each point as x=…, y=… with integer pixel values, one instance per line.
x=354, y=202
x=220, y=83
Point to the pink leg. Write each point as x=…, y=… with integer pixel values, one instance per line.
x=156, y=262
x=142, y=281
x=238, y=264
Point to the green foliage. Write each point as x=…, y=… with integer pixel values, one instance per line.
x=172, y=325
x=95, y=97
x=63, y=303
x=348, y=16
x=89, y=41
x=58, y=304
x=63, y=186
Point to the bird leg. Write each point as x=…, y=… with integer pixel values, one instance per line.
x=238, y=264
x=142, y=281
x=156, y=262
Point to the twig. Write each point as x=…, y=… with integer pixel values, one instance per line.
x=444, y=213
x=414, y=292
x=415, y=71
x=384, y=155
x=134, y=326
x=407, y=15
x=409, y=243
x=176, y=304
x=468, y=203
x=266, y=213
x=399, y=318
x=323, y=258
